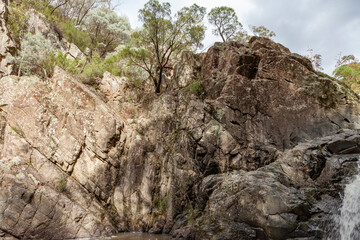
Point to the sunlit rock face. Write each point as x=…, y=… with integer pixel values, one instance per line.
x=261, y=151
x=7, y=46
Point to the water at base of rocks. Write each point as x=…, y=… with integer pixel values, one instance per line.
x=134, y=236
x=349, y=219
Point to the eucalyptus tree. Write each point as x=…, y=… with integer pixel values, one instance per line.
x=262, y=31
x=163, y=37
x=226, y=23
x=106, y=29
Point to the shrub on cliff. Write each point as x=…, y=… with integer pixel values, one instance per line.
x=350, y=75
x=34, y=57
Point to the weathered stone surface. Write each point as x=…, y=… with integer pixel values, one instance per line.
x=278, y=201
x=230, y=164
x=112, y=87
x=276, y=105
x=49, y=133
x=7, y=46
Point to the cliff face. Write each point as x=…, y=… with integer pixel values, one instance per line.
x=7, y=46
x=231, y=164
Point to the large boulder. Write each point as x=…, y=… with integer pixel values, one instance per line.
x=270, y=99
x=298, y=196
x=7, y=46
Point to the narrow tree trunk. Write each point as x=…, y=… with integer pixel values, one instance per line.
x=158, y=86
x=222, y=36
x=20, y=66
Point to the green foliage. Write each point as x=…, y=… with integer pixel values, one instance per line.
x=17, y=21
x=161, y=203
x=262, y=31
x=225, y=21
x=197, y=86
x=191, y=213
x=162, y=37
x=69, y=64
x=61, y=184
x=106, y=29
x=19, y=16
x=18, y=131
x=75, y=35
x=94, y=69
x=350, y=75
x=34, y=57
x=98, y=66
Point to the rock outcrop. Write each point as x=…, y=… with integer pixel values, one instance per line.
x=49, y=143
x=7, y=46
x=298, y=196
x=263, y=152
x=37, y=25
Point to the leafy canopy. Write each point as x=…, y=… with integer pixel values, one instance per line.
x=106, y=29
x=350, y=75
x=34, y=55
x=316, y=60
x=225, y=21
x=262, y=31
x=163, y=37
x=347, y=70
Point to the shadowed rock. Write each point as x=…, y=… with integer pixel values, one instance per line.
x=261, y=153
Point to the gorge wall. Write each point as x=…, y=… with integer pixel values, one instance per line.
x=7, y=46
x=263, y=152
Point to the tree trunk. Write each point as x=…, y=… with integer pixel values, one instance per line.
x=158, y=85
x=60, y=5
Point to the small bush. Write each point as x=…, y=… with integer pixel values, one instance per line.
x=61, y=184
x=197, y=86
x=34, y=57
x=71, y=65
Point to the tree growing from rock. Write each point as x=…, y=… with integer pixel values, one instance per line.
x=106, y=29
x=341, y=60
x=262, y=31
x=316, y=60
x=348, y=71
x=225, y=21
x=163, y=37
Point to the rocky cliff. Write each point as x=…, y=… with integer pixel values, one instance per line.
x=261, y=150
x=7, y=46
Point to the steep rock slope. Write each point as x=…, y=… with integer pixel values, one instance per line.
x=7, y=46
x=225, y=165
x=46, y=135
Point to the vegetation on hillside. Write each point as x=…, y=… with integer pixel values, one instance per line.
x=109, y=44
x=348, y=71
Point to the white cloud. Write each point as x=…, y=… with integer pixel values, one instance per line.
x=327, y=26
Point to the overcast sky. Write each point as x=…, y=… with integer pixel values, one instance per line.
x=327, y=26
